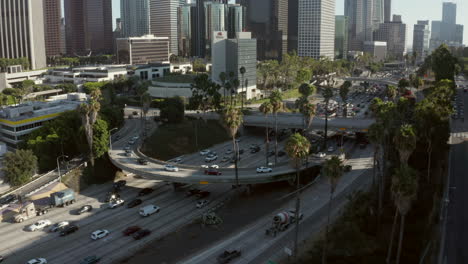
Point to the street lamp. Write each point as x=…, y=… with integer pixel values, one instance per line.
x=110, y=137
x=58, y=166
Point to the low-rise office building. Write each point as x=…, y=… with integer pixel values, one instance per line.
x=378, y=49
x=80, y=75
x=142, y=50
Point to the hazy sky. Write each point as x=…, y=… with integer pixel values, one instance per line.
x=410, y=10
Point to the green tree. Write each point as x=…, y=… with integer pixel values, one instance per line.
x=327, y=95
x=89, y=113
x=391, y=92
x=333, y=171
x=307, y=90
x=276, y=100
x=146, y=102
x=89, y=87
x=173, y=109
x=199, y=66
x=443, y=63
x=344, y=91
x=242, y=72
x=67, y=87
x=222, y=78
x=100, y=138
x=297, y=148
x=405, y=142
x=19, y=166
x=205, y=94
x=266, y=108
x=402, y=85
x=232, y=119
x=375, y=136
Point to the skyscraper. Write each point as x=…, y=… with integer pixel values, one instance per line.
x=22, y=31
x=316, y=30
x=292, y=25
x=364, y=17
x=215, y=20
x=394, y=33
x=387, y=10
x=135, y=15
x=236, y=19
x=449, y=13
x=163, y=20
x=341, y=37
x=52, y=23
x=421, y=34
x=185, y=30
x=447, y=31
x=88, y=26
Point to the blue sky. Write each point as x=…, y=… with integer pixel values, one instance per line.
x=411, y=11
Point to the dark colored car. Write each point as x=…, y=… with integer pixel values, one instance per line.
x=131, y=229
x=227, y=256
x=11, y=198
x=281, y=153
x=348, y=168
x=90, y=260
x=142, y=161
x=212, y=172
x=120, y=184
x=70, y=229
x=255, y=149
x=141, y=234
x=241, y=151
x=203, y=194
x=84, y=209
x=134, y=203
x=2, y=258
x=111, y=196
x=271, y=153
x=145, y=191
x=193, y=192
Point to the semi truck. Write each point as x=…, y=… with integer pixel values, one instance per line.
x=57, y=199
x=282, y=221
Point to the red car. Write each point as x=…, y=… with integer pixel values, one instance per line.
x=203, y=194
x=141, y=234
x=212, y=172
x=130, y=230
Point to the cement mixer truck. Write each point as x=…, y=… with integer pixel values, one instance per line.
x=281, y=221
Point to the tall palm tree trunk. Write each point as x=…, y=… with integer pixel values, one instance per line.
x=400, y=242
x=298, y=207
x=429, y=154
x=325, y=244
x=267, y=146
x=326, y=128
x=392, y=235
x=276, y=138
x=236, y=157
x=242, y=93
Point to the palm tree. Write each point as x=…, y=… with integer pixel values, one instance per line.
x=146, y=102
x=276, y=101
x=404, y=190
x=333, y=170
x=232, y=119
x=235, y=88
x=344, y=90
x=89, y=113
x=327, y=95
x=266, y=108
x=242, y=72
x=405, y=142
x=222, y=78
x=297, y=148
x=391, y=92
x=376, y=138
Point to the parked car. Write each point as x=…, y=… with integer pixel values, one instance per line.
x=331, y=149
x=142, y=161
x=169, y=167
x=90, y=260
x=57, y=226
x=264, y=170
x=145, y=191
x=98, y=234
x=141, y=234
x=205, y=152
x=39, y=225
x=68, y=230
x=212, y=172
x=202, y=203
x=227, y=256
x=320, y=155
x=149, y=210
x=84, y=209
x=134, y=203
x=211, y=158
x=116, y=203
x=37, y=261
x=119, y=184
x=131, y=229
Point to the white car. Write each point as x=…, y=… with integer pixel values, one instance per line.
x=177, y=160
x=205, y=152
x=59, y=226
x=37, y=261
x=169, y=167
x=264, y=169
x=214, y=166
x=331, y=149
x=320, y=155
x=204, y=166
x=39, y=225
x=202, y=203
x=211, y=158
x=99, y=234
x=127, y=148
x=116, y=203
x=135, y=137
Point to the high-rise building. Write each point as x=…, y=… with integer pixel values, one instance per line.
x=52, y=23
x=215, y=20
x=236, y=20
x=135, y=15
x=421, y=35
x=364, y=17
x=387, y=10
x=292, y=25
x=22, y=31
x=341, y=37
x=394, y=33
x=377, y=49
x=447, y=31
x=449, y=13
x=268, y=22
x=163, y=20
x=88, y=26
x=143, y=50
x=185, y=30
x=316, y=31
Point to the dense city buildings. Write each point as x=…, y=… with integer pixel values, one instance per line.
x=22, y=31
x=52, y=27
x=377, y=49
x=394, y=33
x=316, y=28
x=88, y=26
x=143, y=50
x=421, y=37
x=163, y=21
x=447, y=31
x=341, y=37
x=135, y=16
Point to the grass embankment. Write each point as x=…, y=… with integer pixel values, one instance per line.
x=172, y=140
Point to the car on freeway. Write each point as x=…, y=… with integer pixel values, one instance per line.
x=116, y=203
x=203, y=194
x=205, y=152
x=212, y=172
x=177, y=160
x=255, y=149
x=134, y=138
x=145, y=191
x=281, y=153
x=172, y=168
x=331, y=149
x=227, y=256
x=202, y=203
x=37, y=261
x=130, y=230
x=127, y=148
x=119, y=184
x=271, y=153
x=90, y=260
x=214, y=166
x=204, y=166
x=98, y=234
x=134, y=203
x=111, y=196
x=128, y=154
x=57, y=226
x=11, y=198
x=141, y=234
x=264, y=169
x=1, y=258
x=142, y=161
x=68, y=230
x=211, y=158
x=320, y=155
x=149, y=210
x=39, y=225
x=85, y=208
x=229, y=151
x=131, y=142
x=192, y=192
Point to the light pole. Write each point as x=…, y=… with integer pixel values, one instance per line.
x=58, y=166
x=110, y=137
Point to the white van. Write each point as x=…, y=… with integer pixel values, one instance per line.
x=149, y=210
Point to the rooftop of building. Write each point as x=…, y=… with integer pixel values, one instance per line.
x=150, y=37
x=151, y=65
